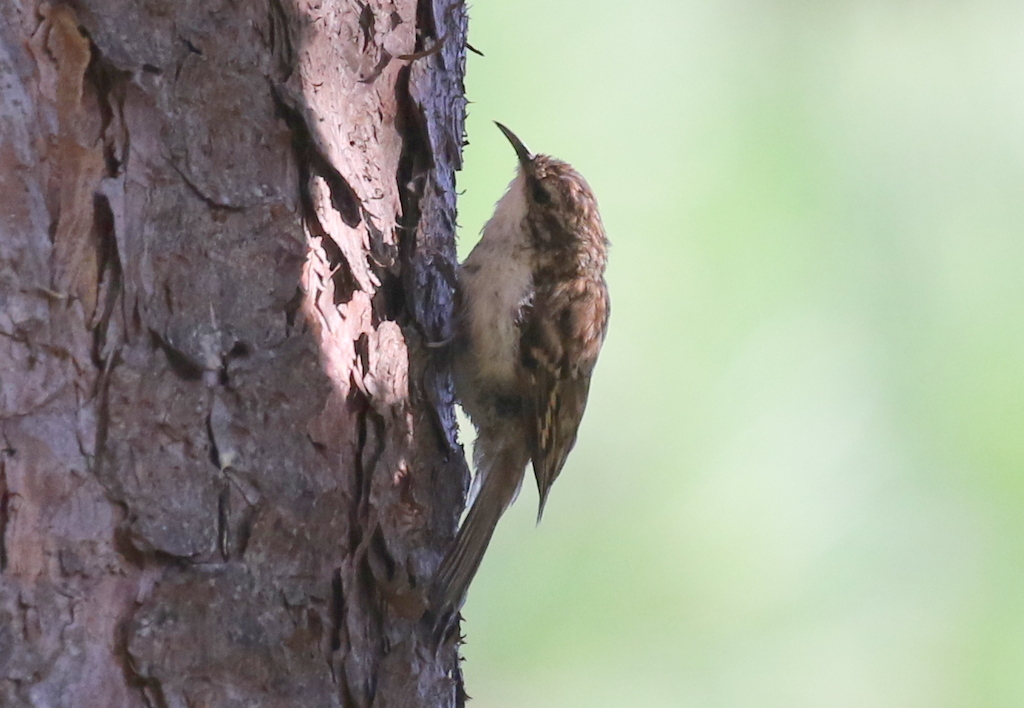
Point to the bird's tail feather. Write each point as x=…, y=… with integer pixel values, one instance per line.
x=501, y=473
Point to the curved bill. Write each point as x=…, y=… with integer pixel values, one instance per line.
x=521, y=150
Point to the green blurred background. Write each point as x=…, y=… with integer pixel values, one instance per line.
x=799, y=481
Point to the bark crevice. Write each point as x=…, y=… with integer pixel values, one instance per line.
x=233, y=442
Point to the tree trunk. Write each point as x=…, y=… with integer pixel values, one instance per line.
x=228, y=463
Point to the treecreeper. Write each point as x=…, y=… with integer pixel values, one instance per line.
x=533, y=315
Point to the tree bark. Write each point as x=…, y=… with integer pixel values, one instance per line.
x=228, y=456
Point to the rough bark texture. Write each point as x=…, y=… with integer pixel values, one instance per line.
x=228, y=460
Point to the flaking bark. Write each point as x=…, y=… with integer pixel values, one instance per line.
x=228, y=460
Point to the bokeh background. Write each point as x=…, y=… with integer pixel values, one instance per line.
x=799, y=481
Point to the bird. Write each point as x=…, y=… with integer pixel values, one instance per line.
x=533, y=315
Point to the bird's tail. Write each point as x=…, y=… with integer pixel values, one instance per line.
x=501, y=465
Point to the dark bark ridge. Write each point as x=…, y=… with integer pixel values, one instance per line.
x=228, y=459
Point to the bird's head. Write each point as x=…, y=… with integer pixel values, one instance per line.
x=560, y=204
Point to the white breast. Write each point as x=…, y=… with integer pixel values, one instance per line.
x=496, y=280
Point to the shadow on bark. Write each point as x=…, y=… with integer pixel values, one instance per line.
x=229, y=461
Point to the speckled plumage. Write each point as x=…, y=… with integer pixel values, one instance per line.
x=534, y=315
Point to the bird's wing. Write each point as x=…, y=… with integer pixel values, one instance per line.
x=561, y=336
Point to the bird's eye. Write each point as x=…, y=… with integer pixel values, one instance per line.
x=540, y=195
